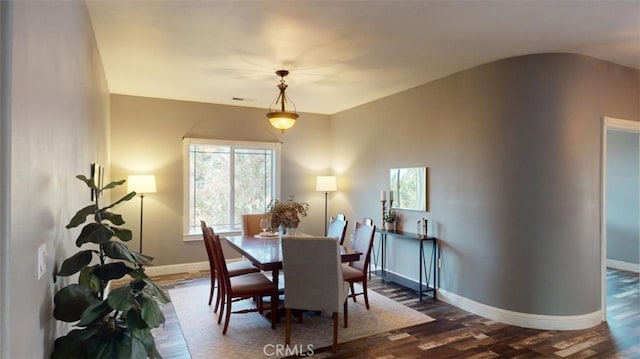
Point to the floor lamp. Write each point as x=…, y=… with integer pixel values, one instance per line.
x=326, y=184
x=141, y=184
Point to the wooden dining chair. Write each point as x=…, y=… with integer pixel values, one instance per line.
x=313, y=276
x=356, y=272
x=338, y=227
x=252, y=285
x=234, y=268
x=251, y=224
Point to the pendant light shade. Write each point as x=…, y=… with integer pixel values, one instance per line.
x=278, y=115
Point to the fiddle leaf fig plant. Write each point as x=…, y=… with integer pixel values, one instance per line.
x=117, y=324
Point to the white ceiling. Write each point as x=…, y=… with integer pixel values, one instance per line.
x=340, y=54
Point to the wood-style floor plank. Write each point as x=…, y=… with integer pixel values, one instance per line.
x=457, y=333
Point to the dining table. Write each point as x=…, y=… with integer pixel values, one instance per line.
x=266, y=252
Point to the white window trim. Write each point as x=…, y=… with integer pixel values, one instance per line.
x=186, y=236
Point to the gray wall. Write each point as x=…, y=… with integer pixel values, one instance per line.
x=514, y=154
x=57, y=110
x=623, y=196
x=513, y=149
x=146, y=137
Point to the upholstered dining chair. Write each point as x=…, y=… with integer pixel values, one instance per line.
x=313, y=275
x=338, y=227
x=234, y=268
x=356, y=272
x=252, y=285
x=251, y=224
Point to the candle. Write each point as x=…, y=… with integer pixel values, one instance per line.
x=390, y=195
x=383, y=195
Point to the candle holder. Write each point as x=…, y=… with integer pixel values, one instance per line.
x=384, y=209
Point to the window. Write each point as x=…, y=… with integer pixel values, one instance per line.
x=226, y=179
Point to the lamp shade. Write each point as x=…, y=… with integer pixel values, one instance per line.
x=141, y=183
x=326, y=184
x=282, y=120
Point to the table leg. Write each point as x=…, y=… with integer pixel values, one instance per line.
x=420, y=275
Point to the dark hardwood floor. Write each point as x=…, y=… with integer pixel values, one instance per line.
x=460, y=334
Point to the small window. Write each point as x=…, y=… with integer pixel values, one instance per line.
x=226, y=179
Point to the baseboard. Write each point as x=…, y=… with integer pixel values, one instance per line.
x=534, y=321
x=631, y=267
x=181, y=268
x=176, y=268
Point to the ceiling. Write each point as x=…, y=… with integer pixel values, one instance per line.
x=341, y=54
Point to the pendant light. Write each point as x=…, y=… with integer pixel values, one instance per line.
x=278, y=115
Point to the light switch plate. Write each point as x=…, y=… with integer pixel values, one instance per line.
x=42, y=260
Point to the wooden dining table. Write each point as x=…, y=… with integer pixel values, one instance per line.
x=266, y=253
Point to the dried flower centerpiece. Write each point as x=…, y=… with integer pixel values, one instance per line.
x=287, y=213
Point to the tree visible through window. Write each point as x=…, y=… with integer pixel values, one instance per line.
x=226, y=180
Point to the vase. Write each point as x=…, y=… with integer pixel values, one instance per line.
x=287, y=231
x=290, y=231
x=388, y=226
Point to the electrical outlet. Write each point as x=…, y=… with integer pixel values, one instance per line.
x=41, y=261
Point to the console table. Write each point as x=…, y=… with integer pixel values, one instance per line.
x=424, y=270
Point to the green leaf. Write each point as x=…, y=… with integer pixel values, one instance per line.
x=112, y=217
x=71, y=301
x=90, y=280
x=127, y=197
x=75, y=263
x=151, y=313
x=114, y=184
x=88, y=181
x=117, y=250
x=142, y=258
x=74, y=344
x=94, y=233
x=111, y=271
x=81, y=216
x=143, y=347
x=156, y=292
x=121, y=299
x=94, y=312
x=136, y=324
x=115, y=342
x=124, y=235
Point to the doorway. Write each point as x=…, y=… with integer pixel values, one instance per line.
x=612, y=124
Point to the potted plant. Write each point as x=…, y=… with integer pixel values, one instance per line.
x=117, y=325
x=389, y=219
x=287, y=214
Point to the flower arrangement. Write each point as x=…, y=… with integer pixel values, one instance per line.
x=287, y=213
x=389, y=216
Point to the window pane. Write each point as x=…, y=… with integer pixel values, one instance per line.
x=210, y=186
x=252, y=182
x=226, y=180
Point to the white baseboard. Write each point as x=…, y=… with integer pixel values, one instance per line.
x=631, y=267
x=176, y=268
x=535, y=321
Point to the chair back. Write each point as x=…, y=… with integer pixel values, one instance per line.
x=362, y=241
x=207, y=232
x=338, y=227
x=251, y=224
x=313, y=274
x=220, y=263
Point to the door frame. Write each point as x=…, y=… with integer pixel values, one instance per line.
x=617, y=124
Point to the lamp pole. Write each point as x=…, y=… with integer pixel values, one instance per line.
x=141, y=212
x=326, y=184
x=325, y=213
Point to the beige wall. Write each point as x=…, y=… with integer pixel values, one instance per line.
x=57, y=115
x=146, y=137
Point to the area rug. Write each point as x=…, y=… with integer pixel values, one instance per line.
x=250, y=335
